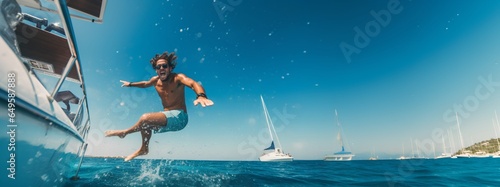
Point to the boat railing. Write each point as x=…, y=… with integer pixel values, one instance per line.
x=74, y=60
x=81, y=119
x=60, y=59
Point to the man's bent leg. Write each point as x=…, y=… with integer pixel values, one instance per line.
x=146, y=122
x=146, y=136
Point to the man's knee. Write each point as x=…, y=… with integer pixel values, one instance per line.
x=144, y=117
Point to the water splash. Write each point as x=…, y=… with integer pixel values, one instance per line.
x=150, y=173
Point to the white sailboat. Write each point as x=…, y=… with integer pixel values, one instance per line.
x=467, y=153
x=497, y=154
x=444, y=154
x=372, y=156
x=402, y=157
x=463, y=153
x=49, y=139
x=273, y=153
x=418, y=150
x=341, y=155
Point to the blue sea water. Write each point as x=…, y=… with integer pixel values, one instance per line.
x=144, y=172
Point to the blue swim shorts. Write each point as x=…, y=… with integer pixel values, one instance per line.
x=176, y=120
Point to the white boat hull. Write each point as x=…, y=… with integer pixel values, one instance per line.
x=403, y=158
x=273, y=154
x=338, y=157
x=42, y=146
x=480, y=156
x=443, y=157
x=45, y=153
x=472, y=156
x=275, y=157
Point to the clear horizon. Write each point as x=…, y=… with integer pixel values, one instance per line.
x=396, y=72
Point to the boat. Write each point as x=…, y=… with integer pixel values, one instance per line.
x=273, y=153
x=372, y=156
x=342, y=155
x=402, y=157
x=480, y=154
x=444, y=154
x=467, y=153
x=417, y=156
x=43, y=90
x=496, y=154
x=463, y=153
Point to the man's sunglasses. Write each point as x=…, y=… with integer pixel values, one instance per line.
x=165, y=66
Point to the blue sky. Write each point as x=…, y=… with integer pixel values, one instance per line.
x=429, y=60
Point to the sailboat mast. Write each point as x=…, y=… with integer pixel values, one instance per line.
x=418, y=149
x=444, y=145
x=496, y=134
x=460, y=133
x=270, y=124
x=498, y=124
x=340, y=130
x=267, y=117
x=452, y=141
x=412, y=154
x=433, y=150
x=403, y=144
x=274, y=130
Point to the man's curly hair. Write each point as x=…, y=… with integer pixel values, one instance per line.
x=170, y=58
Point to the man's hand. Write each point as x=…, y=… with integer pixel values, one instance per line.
x=203, y=101
x=125, y=83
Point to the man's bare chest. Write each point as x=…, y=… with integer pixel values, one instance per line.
x=168, y=88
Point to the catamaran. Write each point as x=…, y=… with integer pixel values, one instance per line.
x=273, y=153
x=341, y=155
x=48, y=122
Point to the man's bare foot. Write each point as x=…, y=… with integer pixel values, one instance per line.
x=119, y=133
x=136, y=154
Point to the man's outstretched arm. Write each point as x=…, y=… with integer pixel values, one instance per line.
x=141, y=84
x=201, y=96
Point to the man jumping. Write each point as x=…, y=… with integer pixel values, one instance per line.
x=170, y=88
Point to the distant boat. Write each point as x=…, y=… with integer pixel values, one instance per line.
x=402, y=157
x=372, y=156
x=341, y=155
x=273, y=153
x=463, y=153
x=497, y=154
x=444, y=154
x=480, y=154
x=413, y=154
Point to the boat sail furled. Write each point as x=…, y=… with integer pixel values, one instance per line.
x=342, y=155
x=273, y=153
